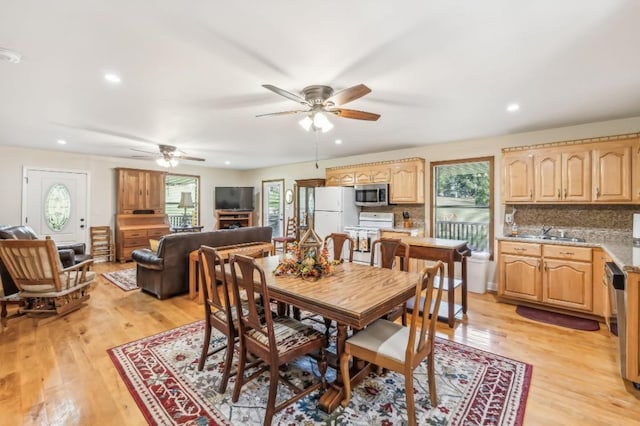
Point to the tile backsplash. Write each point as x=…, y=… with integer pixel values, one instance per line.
x=583, y=221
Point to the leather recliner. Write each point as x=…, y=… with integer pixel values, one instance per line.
x=70, y=254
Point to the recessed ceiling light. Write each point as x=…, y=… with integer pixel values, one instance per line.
x=62, y=142
x=8, y=55
x=227, y=162
x=112, y=78
x=338, y=141
x=513, y=107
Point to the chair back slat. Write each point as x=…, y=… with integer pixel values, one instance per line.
x=243, y=272
x=210, y=260
x=390, y=248
x=429, y=305
x=337, y=241
x=33, y=262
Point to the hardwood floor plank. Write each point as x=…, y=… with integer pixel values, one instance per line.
x=59, y=372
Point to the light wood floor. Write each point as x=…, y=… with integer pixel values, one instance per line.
x=58, y=373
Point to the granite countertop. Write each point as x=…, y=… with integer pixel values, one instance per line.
x=402, y=229
x=434, y=242
x=623, y=252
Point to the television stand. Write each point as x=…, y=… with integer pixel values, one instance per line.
x=230, y=219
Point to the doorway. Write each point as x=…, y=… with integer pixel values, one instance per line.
x=54, y=203
x=273, y=205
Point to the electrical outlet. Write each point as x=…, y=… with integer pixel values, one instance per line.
x=508, y=217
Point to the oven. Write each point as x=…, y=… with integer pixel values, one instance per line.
x=372, y=195
x=366, y=232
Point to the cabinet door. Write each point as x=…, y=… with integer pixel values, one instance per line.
x=568, y=284
x=612, y=173
x=548, y=176
x=520, y=277
x=576, y=176
x=601, y=302
x=635, y=164
x=381, y=174
x=131, y=192
x=363, y=176
x=155, y=191
x=332, y=179
x=517, y=182
x=406, y=183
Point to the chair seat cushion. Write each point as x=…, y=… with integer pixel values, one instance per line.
x=222, y=315
x=289, y=333
x=385, y=338
x=65, y=285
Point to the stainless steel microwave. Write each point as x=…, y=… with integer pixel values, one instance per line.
x=372, y=195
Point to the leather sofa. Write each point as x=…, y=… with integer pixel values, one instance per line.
x=166, y=273
x=70, y=254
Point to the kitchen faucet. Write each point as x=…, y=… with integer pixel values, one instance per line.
x=546, y=229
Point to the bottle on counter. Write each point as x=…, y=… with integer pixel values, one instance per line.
x=514, y=230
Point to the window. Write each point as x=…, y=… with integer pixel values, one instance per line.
x=462, y=201
x=174, y=186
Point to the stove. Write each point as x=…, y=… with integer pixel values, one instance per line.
x=366, y=232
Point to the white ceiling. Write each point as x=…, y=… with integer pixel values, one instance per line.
x=192, y=72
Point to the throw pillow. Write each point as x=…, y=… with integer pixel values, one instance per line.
x=154, y=245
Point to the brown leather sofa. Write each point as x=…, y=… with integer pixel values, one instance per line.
x=70, y=254
x=166, y=273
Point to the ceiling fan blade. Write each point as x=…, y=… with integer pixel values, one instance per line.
x=142, y=150
x=280, y=113
x=286, y=94
x=348, y=95
x=353, y=113
x=186, y=157
x=144, y=157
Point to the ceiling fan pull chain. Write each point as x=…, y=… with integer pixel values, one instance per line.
x=316, y=133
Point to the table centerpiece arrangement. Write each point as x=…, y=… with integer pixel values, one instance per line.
x=307, y=264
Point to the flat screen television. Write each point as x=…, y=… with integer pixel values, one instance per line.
x=234, y=197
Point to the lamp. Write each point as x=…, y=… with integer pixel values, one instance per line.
x=164, y=162
x=316, y=121
x=185, y=203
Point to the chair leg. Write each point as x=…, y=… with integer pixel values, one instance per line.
x=346, y=380
x=240, y=374
x=228, y=359
x=271, y=400
x=205, y=347
x=322, y=366
x=411, y=403
x=327, y=324
x=431, y=373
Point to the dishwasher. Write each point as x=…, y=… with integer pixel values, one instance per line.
x=616, y=281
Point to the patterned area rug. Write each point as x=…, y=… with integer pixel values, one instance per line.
x=125, y=279
x=161, y=372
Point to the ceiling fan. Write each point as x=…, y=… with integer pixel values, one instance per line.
x=167, y=156
x=322, y=99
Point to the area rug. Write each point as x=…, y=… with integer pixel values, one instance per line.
x=125, y=279
x=555, y=318
x=474, y=387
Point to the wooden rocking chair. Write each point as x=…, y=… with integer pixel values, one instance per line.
x=46, y=287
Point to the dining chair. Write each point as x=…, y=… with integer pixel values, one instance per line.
x=219, y=311
x=288, y=237
x=398, y=347
x=336, y=241
x=275, y=340
x=394, y=254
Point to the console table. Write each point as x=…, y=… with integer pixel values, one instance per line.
x=224, y=252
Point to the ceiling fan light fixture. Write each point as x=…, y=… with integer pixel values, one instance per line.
x=163, y=162
x=321, y=122
x=306, y=123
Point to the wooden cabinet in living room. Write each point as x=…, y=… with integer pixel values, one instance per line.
x=517, y=177
x=612, y=172
x=562, y=176
x=133, y=231
x=140, y=190
x=407, y=182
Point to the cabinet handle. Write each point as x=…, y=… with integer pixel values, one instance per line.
x=567, y=253
x=597, y=191
x=519, y=249
x=531, y=194
x=565, y=193
x=539, y=266
x=558, y=192
x=546, y=267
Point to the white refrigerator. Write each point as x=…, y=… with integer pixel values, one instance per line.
x=335, y=208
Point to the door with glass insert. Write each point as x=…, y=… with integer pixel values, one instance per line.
x=55, y=204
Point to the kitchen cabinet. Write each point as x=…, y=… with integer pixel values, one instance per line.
x=612, y=172
x=632, y=362
x=562, y=176
x=140, y=190
x=338, y=177
x=374, y=174
x=558, y=276
x=407, y=182
x=517, y=177
x=601, y=300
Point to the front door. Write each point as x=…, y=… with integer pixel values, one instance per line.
x=55, y=204
x=273, y=205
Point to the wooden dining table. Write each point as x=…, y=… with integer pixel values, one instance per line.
x=353, y=295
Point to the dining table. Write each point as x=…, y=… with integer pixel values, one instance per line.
x=353, y=295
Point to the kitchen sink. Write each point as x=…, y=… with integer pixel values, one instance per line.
x=550, y=238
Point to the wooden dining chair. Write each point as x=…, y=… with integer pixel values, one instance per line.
x=336, y=241
x=276, y=341
x=394, y=254
x=398, y=347
x=288, y=237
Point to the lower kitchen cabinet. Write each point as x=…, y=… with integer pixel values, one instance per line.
x=567, y=284
x=520, y=277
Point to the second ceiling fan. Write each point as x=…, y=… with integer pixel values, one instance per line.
x=322, y=99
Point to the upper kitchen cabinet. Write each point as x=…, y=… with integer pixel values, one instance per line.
x=612, y=172
x=407, y=182
x=140, y=190
x=517, y=177
x=405, y=178
x=562, y=176
x=600, y=170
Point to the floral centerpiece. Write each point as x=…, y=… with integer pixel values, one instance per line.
x=311, y=264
